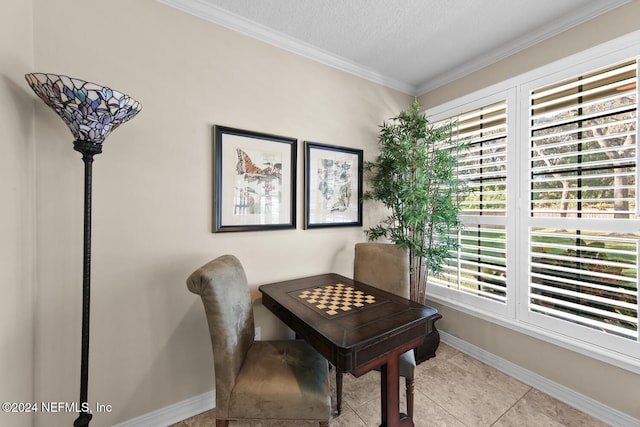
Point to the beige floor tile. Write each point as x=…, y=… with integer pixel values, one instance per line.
x=489, y=375
x=466, y=394
x=204, y=419
x=523, y=415
x=451, y=390
x=348, y=418
x=270, y=424
x=363, y=394
x=369, y=412
x=444, y=352
x=428, y=413
x=547, y=407
x=208, y=419
x=357, y=391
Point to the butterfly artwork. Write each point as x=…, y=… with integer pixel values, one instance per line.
x=254, y=180
x=246, y=167
x=257, y=187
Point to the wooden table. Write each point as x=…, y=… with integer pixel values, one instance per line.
x=369, y=328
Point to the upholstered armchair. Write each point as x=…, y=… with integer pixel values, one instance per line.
x=385, y=266
x=283, y=380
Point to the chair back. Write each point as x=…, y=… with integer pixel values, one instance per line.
x=383, y=265
x=222, y=285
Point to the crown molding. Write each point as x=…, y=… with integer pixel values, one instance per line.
x=234, y=22
x=209, y=12
x=550, y=30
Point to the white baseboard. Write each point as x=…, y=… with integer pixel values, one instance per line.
x=579, y=401
x=188, y=408
x=173, y=413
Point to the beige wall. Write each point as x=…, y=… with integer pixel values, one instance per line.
x=152, y=197
x=17, y=230
x=610, y=385
x=152, y=192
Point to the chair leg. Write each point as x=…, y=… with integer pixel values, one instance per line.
x=409, y=385
x=338, y=391
x=222, y=423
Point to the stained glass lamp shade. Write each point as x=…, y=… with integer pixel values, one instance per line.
x=91, y=112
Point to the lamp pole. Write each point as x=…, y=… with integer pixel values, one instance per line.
x=88, y=150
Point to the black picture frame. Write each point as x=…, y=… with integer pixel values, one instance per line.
x=254, y=181
x=333, y=186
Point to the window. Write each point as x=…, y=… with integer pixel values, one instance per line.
x=582, y=146
x=582, y=256
x=551, y=237
x=478, y=267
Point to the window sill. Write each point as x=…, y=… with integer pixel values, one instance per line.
x=604, y=355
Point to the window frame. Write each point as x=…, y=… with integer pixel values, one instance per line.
x=433, y=291
x=621, y=345
x=514, y=314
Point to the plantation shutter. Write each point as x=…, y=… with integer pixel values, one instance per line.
x=478, y=266
x=583, y=264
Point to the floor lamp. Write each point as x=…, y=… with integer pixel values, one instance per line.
x=91, y=112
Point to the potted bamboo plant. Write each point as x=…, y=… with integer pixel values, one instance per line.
x=414, y=176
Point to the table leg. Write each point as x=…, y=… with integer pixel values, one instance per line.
x=390, y=395
x=339, y=391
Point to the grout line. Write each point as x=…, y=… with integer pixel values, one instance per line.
x=512, y=406
x=439, y=406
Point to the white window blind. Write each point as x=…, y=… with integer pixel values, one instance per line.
x=583, y=146
x=478, y=266
x=585, y=277
x=583, y=262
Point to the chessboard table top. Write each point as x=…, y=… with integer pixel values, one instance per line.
x=353, y=335
x=334, y=299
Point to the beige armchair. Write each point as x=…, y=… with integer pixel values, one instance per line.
x=283, y=380
x=385, y=266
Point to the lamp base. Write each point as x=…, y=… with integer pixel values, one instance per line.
x=82, y=420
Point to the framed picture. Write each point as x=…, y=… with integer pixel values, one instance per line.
x=333, y=186
x=254, y=181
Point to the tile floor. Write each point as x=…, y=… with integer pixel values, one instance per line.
x=452, y=389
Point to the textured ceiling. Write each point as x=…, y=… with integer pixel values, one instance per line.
x=409, y=45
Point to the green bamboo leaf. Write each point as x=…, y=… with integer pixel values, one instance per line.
x=416, y=179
